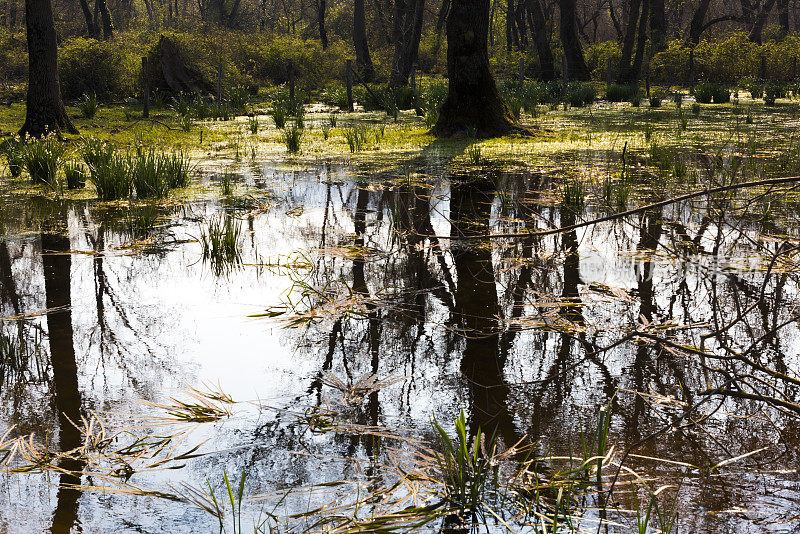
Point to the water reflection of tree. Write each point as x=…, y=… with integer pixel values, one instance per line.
x=56, y=265
x=477, y=311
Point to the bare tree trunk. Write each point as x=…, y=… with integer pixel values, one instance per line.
x=696, y=27
x=636, y=68
x=630, y=40
x=473, y=102
x=658, y=24
x=105, y=17
x=363, y=61
x=758, y=25
x=542, y=40
x=87, y=14
x=45, y=109
x=573, y=52
x=407, y=33
x=783, y=16
x=510, y=30
x=322, y=6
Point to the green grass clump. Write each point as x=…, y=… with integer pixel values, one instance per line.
x=466, y=472
x=474, y=154
x=75, y=175
x=621, y=93
x=356, y=136
x=772, y=92
x=220, y=242
x=292, y=137
x=580, y=94
x=12, y=150
x=280, y=112
x=706, y=93
x=111, y=176
x=42, y=158
x=252, y=123
x=154, y=174
x=575, y=195
x=88, y=106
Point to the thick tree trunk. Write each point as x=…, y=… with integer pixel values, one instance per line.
x=630, y=69
x=407, y=33
x=783, y=16
x=363, y=61
x=473, y=102
x=573, y=52
x=45, y=110
x=761, y=20
x=542, y=39
x=697, y=26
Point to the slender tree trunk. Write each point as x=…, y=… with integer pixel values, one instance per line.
x=105, y=18
x=363, y=61
x=322, y=6
x=87, y=14
x=542, y=39
x=629, y=41
x=636, y=68
x=761, y=20
x=407, y=34
x=473, y=101
x=510, y=25
x=658, y=24
x=696, y=27
x=573, y=52
x=45, y=110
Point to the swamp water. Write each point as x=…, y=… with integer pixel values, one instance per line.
x=359, y=308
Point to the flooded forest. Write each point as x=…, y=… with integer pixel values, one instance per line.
x=454, y=266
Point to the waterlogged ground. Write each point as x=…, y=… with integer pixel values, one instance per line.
x=366, y=302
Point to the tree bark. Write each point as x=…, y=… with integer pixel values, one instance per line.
x=87, y=14
x=473, y=102
x=783, y=16
x=105, y=18
x=658, y=24
x=761, y=20
x=696, y=27
x=629, y=41
x=45, y=109
x=363, y=61
x=407, y=33
x=322, y=6
x=573, y=52
x=542, y=39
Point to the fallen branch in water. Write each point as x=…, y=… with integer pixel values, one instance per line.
x=687, y=196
